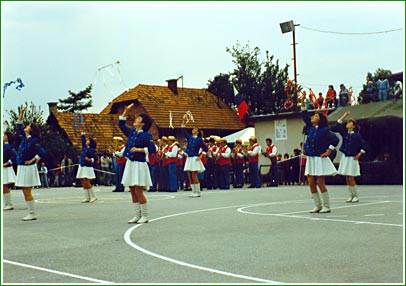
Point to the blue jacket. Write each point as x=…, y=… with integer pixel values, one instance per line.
x=193, y=144
x=29, y=147
x=352, y=142
x=87, y=152
x=136, y=139
x=318, y=139
x=9, y=154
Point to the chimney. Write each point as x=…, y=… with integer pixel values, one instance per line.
x=173, y=85
x=53, y=107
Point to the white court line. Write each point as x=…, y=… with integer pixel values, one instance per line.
x=315, y=217
x=57, y=272
x=127, y=238
x=374, y=215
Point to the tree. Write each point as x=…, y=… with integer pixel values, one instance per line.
x=33, y=114
x=75, y=101
x=54, y=143
x=273, y=81
x=222, y=87
x=260, y=83
x=246, y=75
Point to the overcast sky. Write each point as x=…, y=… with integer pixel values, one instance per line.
x=59, y=46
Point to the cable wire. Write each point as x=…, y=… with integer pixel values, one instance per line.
x=351, y=33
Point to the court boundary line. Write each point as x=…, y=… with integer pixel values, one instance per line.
x=315, y=217
x=127, y=239
x=56, y=272
x=127, y=236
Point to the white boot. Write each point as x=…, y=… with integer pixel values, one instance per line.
x=144, y=213
x=198, y=191
x=137, y=216
x=326, y=203
x=193, y=194
x=317, y=203
x=93, y=197
x=355, y=192
x=350, y=191
x=9, y=203
x=87, y=196
x=31, y=211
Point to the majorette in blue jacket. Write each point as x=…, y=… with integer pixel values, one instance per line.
x=319, y=139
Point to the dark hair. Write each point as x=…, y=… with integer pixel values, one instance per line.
x=147, y=121
x=10, y=137
x=268, y=139
x=356, y=126
x=92, y=143
x=35, y=131
x=200, y=134
x=323, y=119
x=211, y=140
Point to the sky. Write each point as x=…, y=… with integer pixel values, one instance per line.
x=54, y=47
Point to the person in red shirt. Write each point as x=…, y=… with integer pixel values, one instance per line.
x=270, y=153
x=171, y=156
x=224, y=160
x=320, y=101
x=254, y=150
x=331, y=97
x=238, y=158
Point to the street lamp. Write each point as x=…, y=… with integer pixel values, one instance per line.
x=287, y=27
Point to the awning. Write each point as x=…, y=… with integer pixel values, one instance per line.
x=244, y=135
x=370, y=111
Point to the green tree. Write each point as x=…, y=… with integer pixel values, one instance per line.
x=33, y=114
x=76, y=101
x=260, y=83
x=54, y=143
x=246, y=74
x=272, y=80
x=222, y=87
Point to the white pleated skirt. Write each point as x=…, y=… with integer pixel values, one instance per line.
x=194, y=165
x=27, y=176
x=9, y=177
x=85, y=172
x=317, y=166
x=349, y=167
x=136, y=174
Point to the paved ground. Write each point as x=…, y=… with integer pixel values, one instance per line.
x=238, y=236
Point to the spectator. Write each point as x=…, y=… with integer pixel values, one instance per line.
x=57, y=176
x=287, y=169
x=370, y=92
x=320, y=101
x=398, y=90
x=383, y=86
x=343, y=96
x=43, y=174
x=331, y=97
x=67, y=170
x=105, y=162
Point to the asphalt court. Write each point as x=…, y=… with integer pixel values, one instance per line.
x=237, y=236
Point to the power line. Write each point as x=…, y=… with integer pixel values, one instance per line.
x=351, y=33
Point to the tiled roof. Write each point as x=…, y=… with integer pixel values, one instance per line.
x=158, y=101
x=102, y=127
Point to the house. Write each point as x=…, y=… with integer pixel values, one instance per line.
x=166, y=105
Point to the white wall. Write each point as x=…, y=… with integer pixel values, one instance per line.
x=266, y=129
